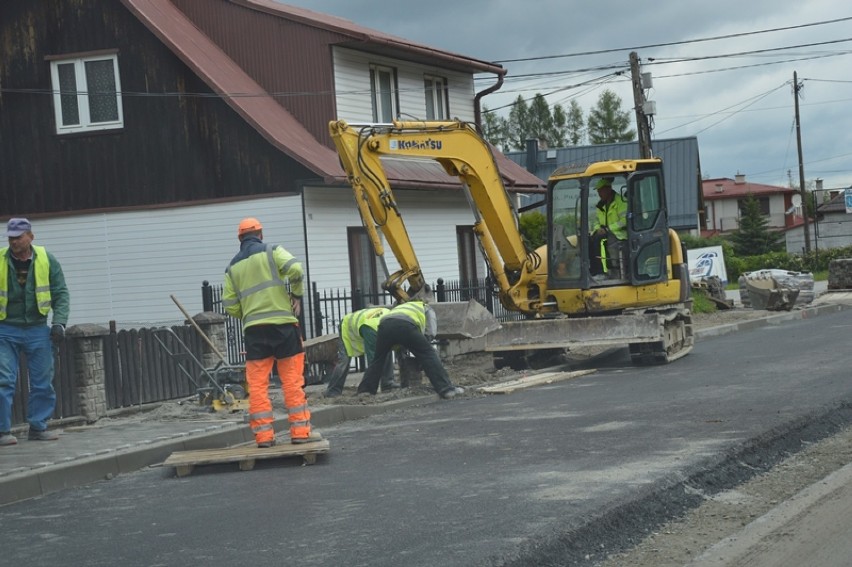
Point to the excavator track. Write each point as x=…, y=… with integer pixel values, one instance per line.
x=678, y=339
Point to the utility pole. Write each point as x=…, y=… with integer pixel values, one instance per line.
x=642, y=127
x=797, y=87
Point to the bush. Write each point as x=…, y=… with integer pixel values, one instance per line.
x=735, y=266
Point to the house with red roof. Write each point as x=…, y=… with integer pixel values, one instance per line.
x=136, y=134
x=724, y=198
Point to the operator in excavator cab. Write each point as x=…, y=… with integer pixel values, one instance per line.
x=610, y=222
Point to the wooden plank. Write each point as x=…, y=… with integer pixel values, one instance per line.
x=535, y=380
x=246, y=455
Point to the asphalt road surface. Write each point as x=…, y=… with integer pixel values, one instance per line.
x=561, y=474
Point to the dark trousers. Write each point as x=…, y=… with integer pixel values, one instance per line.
x=337, y=378
x=396, y=331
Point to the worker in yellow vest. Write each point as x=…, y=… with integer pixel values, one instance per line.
x=357, y=337
x=411, y=325
x=31, y=285
x=256, y=292
x=610, y=222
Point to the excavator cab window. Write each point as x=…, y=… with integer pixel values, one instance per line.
x=566, y=245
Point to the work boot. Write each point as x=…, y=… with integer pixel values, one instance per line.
x=313, y=437
x=266, y=444
x=452, y=393
x=390, y=386
x=7, y=438
x=36, y=435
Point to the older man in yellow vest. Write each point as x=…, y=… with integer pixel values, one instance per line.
x=31, y=285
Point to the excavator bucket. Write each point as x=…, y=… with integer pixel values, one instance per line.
x=768, y=294
x=463, y=320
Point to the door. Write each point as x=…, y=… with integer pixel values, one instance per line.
x=647, y=227
x=362, y=268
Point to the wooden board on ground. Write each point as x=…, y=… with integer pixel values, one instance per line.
x=246, y=455
x=535, y=380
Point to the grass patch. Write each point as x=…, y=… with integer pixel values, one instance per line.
x=701, y=303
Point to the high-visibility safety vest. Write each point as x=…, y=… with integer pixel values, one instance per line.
x=414, y=311
x=350, y=328
x=255, y=287
x=41, y=265
x=612, y=215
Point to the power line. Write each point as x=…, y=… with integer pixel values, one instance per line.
x=658, y=61
x=668, y=44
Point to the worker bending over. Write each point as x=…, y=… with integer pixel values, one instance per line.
x=411, y=325
x=357, y=337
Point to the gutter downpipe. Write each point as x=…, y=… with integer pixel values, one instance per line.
x=477, y=110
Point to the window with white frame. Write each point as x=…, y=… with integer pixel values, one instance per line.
x=384, y=93
x=86, y=93
x=436, y=98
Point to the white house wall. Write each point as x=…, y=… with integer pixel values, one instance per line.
x=724, y=214
x=352, y=86
x=430, y=217
x=124, y=266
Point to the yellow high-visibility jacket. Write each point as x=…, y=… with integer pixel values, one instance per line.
x=350, y=328
x=256, y=284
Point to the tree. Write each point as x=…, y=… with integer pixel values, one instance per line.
x=533, y=227
x=575, y=125
x=753, y=238
x=517, y=125
x=607, y=122
x=495, y=129
x=527, y=121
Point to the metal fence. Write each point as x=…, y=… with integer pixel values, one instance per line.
x=325, y=309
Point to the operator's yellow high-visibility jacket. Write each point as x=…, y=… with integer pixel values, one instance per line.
x=612, y=215
x=256, y=284
x=350, y=328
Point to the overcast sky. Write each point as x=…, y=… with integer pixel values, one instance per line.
x=741, y=107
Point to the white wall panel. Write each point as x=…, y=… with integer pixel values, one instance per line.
x=430, y=218
x=124, y=266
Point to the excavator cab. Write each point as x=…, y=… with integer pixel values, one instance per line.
x=634, y=254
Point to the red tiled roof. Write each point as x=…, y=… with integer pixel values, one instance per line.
x=730, y=189
x=363, y=35
x=273, y=121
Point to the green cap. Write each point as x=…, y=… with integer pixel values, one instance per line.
x=603, y=182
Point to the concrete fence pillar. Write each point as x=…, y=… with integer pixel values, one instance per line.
x=213, y=325
x=87, y=348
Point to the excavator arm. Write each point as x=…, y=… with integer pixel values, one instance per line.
x=462, y=153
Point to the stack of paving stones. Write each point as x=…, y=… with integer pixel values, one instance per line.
x=803, y=281
x=840, y=274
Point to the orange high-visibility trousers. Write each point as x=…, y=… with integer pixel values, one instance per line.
x=291, y=372
x=260, y=408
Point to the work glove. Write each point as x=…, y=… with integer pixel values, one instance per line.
x=57, y=333
x=296, y=303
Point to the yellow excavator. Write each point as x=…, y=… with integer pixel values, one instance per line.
x=641, y=298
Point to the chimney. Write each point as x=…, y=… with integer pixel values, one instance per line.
x=532, y=155
x=818, y=183
x=739, y=178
